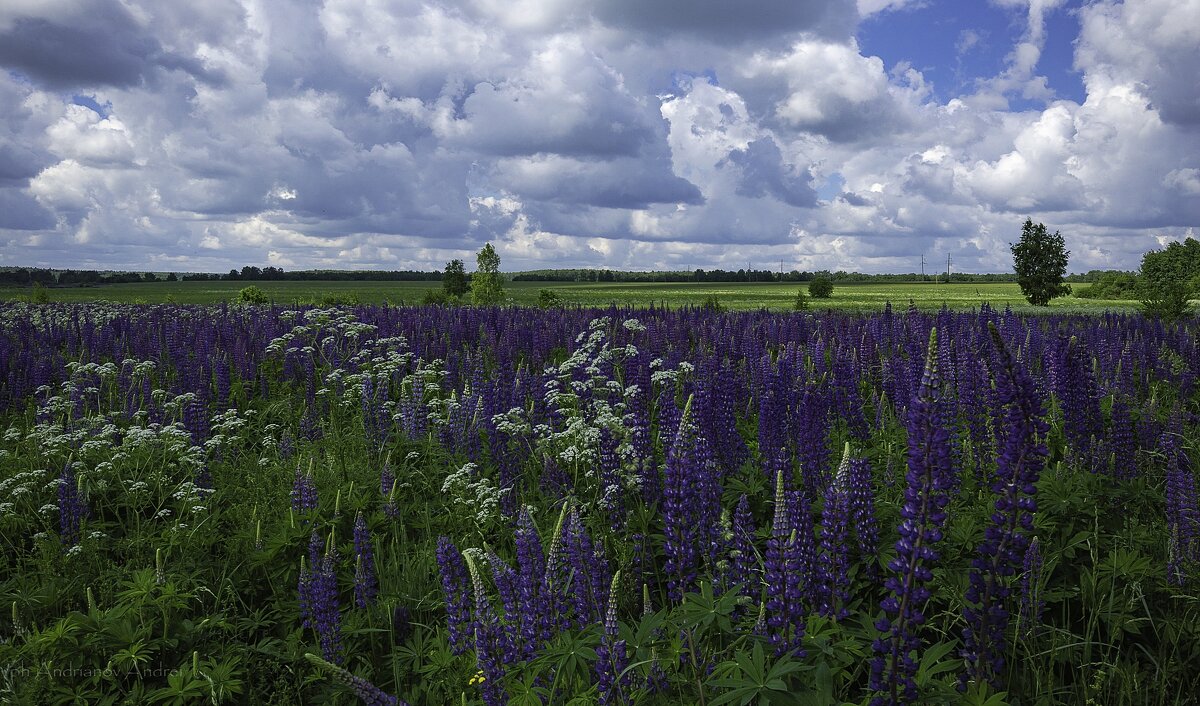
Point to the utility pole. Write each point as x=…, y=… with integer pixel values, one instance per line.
x=781, y=269
x=922, y=267
x=949, y=261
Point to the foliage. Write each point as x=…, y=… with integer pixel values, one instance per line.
x=1111, y=285
x=38, y=294
x=821, y=287
x=1040, y=261
x=523, y=487
x=487, y=286
x=436, y=297
x=454, y=281
x=1170, y=278
x=329, y=299
x=548, y=299
x=801, y=302
x=252, y=295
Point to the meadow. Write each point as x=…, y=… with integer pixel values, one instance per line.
x=630, y=505
x=740, y=296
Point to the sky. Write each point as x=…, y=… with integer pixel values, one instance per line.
x=625, y=134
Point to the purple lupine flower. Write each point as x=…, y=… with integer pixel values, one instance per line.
x=304, y=593
x=1183, y=512
x=387, y=488
x=533, y=612
x=1029, y=616
x=305, y=587
x=72, y=510
x=783, y=607
x=505, y=578
x=326, y=615
x=456, y=589
x=862, y=514
x=367, y=692
x=691, y=507
x=586, y=571
x=304, y=491
x=287, y=445
x=1122, y=440
x=611, y=655
x=488, y=638
x=366, y=584
x=743, y=563
x=1022, y=456
x=922, y=515
x=806, y=583
x=612, y=496
x=835, y=543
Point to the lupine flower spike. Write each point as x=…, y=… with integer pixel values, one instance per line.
x=367, y=692
x=894, y=668
x=1006, y=539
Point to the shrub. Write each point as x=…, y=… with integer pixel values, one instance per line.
x=329, y=299
x=801, y=303
x=39, y=294
x=252, y=295
x=548, y=299
x=712, y=303
x=436, y=297
x=1111, y=285
x=821, y=287
x=1166, y=302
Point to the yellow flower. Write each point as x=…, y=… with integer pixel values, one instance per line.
x=477, y=679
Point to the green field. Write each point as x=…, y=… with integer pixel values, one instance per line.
x=732, y=295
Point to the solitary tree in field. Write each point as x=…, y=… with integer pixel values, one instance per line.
x=821, y=287
x=486, y=285
x=454, y=281
x=1040, y=260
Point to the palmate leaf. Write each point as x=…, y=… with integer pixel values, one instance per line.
x=751, y=680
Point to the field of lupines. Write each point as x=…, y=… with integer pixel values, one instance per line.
x=441, y=505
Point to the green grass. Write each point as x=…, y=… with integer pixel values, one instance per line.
x=732, y=295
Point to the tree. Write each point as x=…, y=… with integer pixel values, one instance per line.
x=1040, y=260
x=487, y=288
x=821, y=287
x=1169, y=278
x=454, y=281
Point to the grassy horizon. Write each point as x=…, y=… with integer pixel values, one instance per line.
x=731, y=295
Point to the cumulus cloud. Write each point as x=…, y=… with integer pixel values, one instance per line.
x=95, y=42
x=403, y=133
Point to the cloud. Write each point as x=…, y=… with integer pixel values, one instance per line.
x=830, y=89
x=95, y=42
x=1154, y=44
x=404, y=133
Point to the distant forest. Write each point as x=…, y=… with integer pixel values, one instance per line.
x=25, y=276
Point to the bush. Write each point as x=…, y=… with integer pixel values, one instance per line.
x=801, y=303
x=252, y=295
x=712, y=304
x=1111, y=285
x=437, y=297
x=336, y=299
x=1166, y=302
x=548, y=299
x=821, y=287
x=39, y=294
